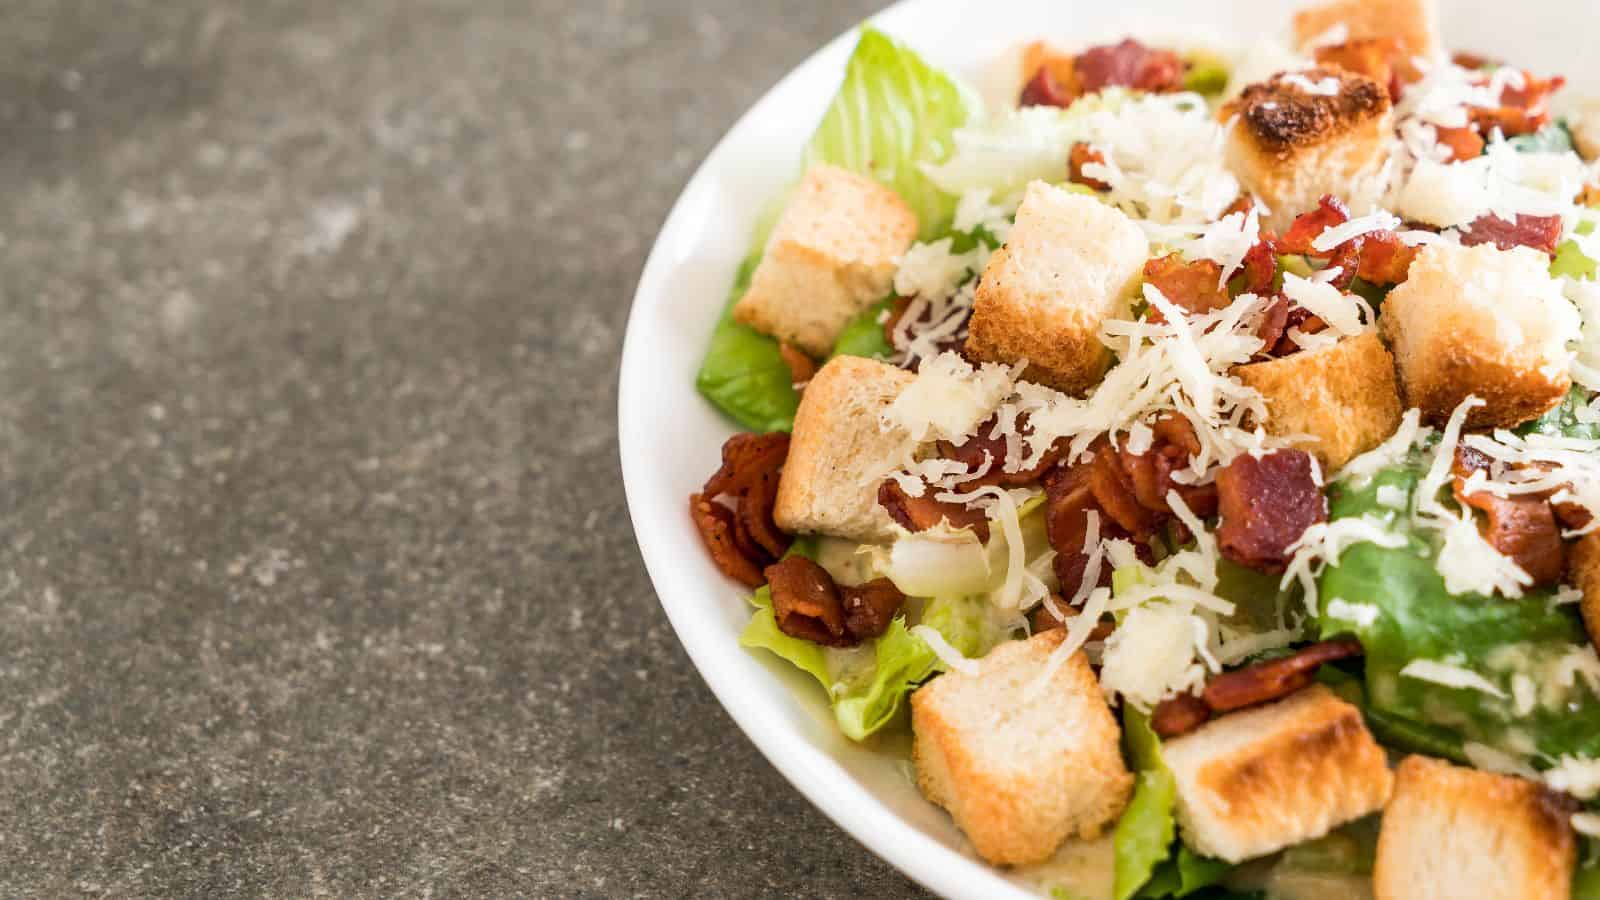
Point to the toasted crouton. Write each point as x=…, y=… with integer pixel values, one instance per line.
x=1584, y=123
x=1583, y=564
x=1020, y=771
x=1343, y=396
x=833, y=253
x=1414, y=24
x=1257, y=781
x=1454, y=833
x=1483, y=322
x=1071, y=263
x=1290, y=146
x=840, y=450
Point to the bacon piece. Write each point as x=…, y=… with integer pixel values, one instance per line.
x=1150, y=473
x=1081, y=155
x=743, y=539
x=1466, y=59
x=1129, y=64
x=1046, y=89
x=1572, y=515
x=1193, y=286
x=1538, y=232
x=870, y=607
x=1308, y=226
x=1042, y=619
x=744, y=458
x=1252, y=685
x=1266, y=505
x=1275, y=678
x=1178, y=715
x=1385, y=259
x=1522, y=110
x=1464, y=143
x=1114, y=495
x=717, y=528
x=801, y=366
x=1068, y=501
x=984, y=443
x=1522, y=528
x=1258, y=268
x=922, y=513
x=806, y=603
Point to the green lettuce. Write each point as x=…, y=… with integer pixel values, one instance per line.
x=1419, y=620
x=866, y=697
x=893, y=113
x=743, y=373
x=1147, y=863
x=1562, y=420
x=1553, y=138
x=1205, y=73
x=1570, y=261
x=864, y=335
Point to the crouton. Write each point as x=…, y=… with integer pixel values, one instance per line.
x=1020, y=771
x=1483, y=322
x=840, y=450
x=1257, y=781
x=1413, y=24
x=833, y=253
x=1291, y=145
x=1583, y=566
x=1584, y=123
x=1070, y=263
x=1453, y=833
x=1343, y=396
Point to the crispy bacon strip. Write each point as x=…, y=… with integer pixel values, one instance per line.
x=870, y=607
x=1523, y=528
x=922, y=513
x=743, y=539
x=1266, y=504
x=1258, y=269
x=1379, y=257
x=1193, y=286
x=1046, y=89
x=1275, y=678
x=1522, y=110
x=806, y=602
x=1068, y=500
x=716, y=525
x=1179, y=714
x=1081, y=155
x=1464, y=142
x=1385, y=259
x=985, y=444
x=1041, y=619
x=1308, y=226
x=1252, y=685
x=1539, y=232
x=1129, y=64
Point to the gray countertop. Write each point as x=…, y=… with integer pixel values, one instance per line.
x=316, y=576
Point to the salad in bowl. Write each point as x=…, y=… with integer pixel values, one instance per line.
x=1191, y=466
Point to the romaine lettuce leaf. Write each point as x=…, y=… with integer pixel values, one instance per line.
x=1147, y=863
x=743, y=373
x=1571, y=261
x=1562, y=420
x=864, y=335
x=1497, y=638
x=1552, y=138
x=893, y=114
x=866, y=698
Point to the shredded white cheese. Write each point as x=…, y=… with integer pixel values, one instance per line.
x=1450, y=674
x=952, y=658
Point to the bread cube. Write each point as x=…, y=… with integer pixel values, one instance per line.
x=1583, y=565
x=1414, y=24
x=1020, y=771
x=1257, y=781
x=1584, y=123
x=833, y=253
x=1453, y=833
x=1290, y=146
x=1343, y=396
x=1484, y=322
x=1070, y=263
x=841, y=450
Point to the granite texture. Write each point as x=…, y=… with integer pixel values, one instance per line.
x=316, y=577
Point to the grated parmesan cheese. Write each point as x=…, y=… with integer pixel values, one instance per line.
x=1576, y=776
x=1450, y=674
x=952, y=658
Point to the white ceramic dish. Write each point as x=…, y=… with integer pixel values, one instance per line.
x=670, y=436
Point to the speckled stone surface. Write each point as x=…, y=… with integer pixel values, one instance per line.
x=316, y=577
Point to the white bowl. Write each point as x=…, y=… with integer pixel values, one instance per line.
x=670, y=436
